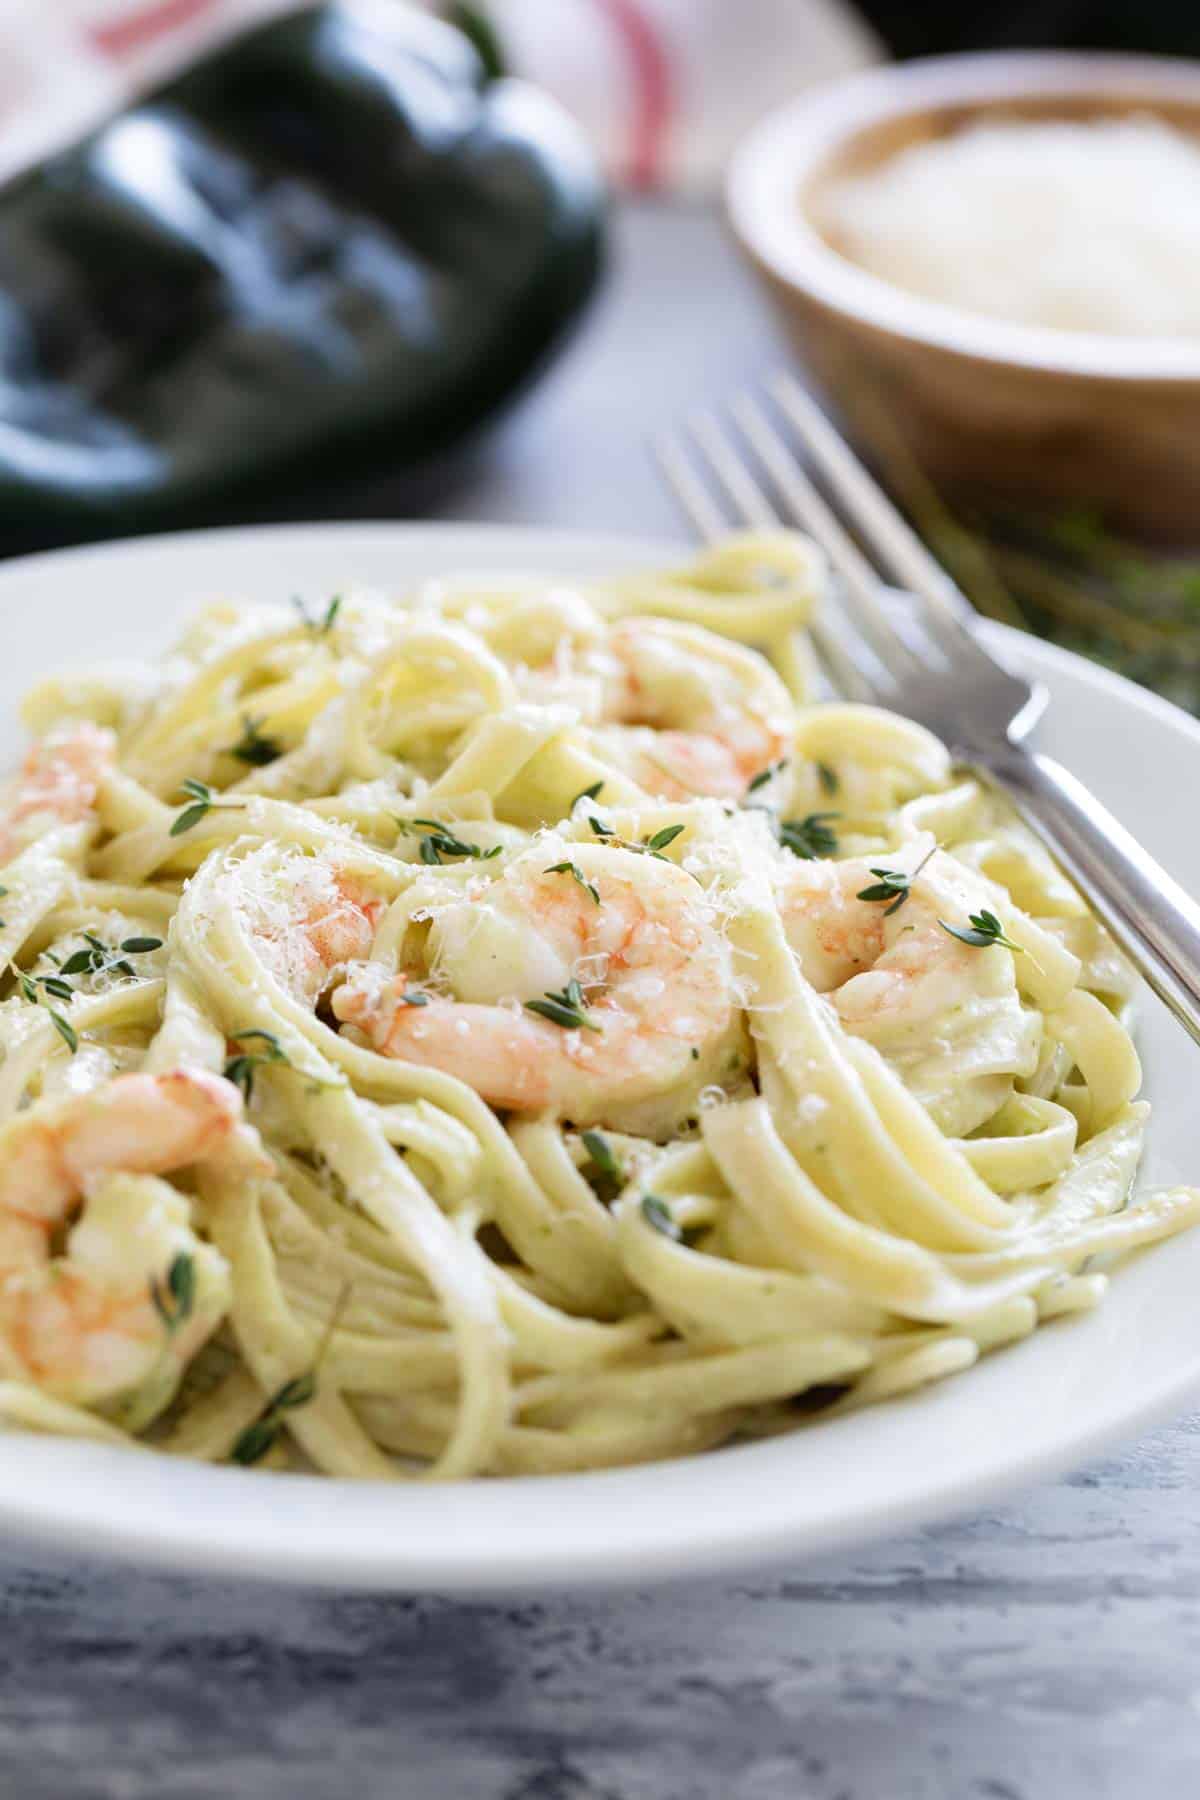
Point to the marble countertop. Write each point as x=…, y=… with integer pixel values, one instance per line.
x=1045, y=1650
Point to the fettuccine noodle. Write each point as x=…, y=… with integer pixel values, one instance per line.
x=519, y=1029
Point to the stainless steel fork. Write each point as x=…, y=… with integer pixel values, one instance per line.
x=919, y=653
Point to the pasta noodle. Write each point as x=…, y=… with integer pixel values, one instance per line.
x=523, y=1029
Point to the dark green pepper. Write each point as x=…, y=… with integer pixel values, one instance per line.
x=331, y=247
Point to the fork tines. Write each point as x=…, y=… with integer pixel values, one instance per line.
x=744, y=472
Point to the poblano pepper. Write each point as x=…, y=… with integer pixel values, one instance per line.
x=331, y=247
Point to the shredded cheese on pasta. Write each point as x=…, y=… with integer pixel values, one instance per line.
x=609, y=1050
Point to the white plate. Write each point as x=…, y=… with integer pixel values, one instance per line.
x=1022, y=1413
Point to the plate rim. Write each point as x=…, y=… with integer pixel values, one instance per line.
x=308, y=1552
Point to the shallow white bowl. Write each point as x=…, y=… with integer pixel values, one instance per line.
x=1020, y=1415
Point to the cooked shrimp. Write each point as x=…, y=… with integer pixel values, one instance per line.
x=683, y=712
x=889, y=972
x=309, y=919
x=58, y=784
x=658, y=1016
x=81, y=1319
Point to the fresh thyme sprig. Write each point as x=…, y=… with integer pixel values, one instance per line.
x=810, y=837
x=100, y=958
x=566, y=1009
x=893, y=885
x=651, y=846
x=62, y=991
x=53, y=984
x=577, y=875
x=202, y=802
x=439, y=841
x=175, y=1298
x=323, y=623
x=252, y=1444
x=984, y=929
x=96, y=958
x=588, y=793
x=253, y=748
x=242, y=1067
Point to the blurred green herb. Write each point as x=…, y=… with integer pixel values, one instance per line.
x=175, y=1298
x=809, y=837
x=252, y=1444
x=253, y=748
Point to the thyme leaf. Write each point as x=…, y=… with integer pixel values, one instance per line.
x=893, y=885
x=810, y=837
x=175, y=1298
x=576, y=874
x=62, y=990
x=28, y=985
x=566, y=1009
x=253, y=748
x=764, y=775
x=99, y=958
x=603, y=1157
x=252, y=1444
x=324, y=622
x=984, y=929
x=65, y=1030
x=202, y=798
x=588, y=793
x=439, y=841
x=242, y=1067
x=657, y=1213
x=651, y=846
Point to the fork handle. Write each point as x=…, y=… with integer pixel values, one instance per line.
x=1151, y=917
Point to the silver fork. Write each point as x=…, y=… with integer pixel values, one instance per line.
x=920, y=654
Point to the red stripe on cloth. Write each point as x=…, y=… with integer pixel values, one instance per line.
x=653, y=94
x=121, y=36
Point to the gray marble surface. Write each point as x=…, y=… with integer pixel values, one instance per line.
x=1046, y=1650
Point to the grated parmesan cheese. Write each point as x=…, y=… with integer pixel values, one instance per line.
x=1076, y=226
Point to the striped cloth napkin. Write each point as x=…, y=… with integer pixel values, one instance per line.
x=663, y=87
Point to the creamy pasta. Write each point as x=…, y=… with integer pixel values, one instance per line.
x=519, y=1029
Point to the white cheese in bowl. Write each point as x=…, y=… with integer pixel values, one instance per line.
x=1079, y=226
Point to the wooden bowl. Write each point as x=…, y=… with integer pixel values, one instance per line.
x=1010, y=412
